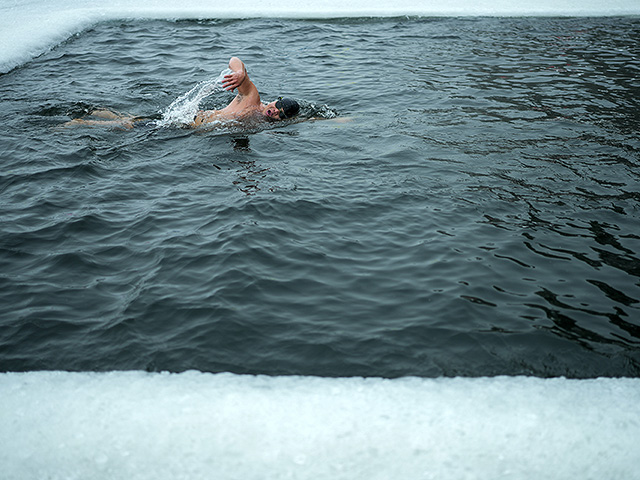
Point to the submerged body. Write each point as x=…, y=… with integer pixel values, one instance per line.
x=246, y=105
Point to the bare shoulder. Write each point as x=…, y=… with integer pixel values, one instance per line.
x=248, y=94
x=242, y=103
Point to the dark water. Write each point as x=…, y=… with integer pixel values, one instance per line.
x=478, y=214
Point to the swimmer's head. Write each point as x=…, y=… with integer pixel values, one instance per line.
x=287, y=107
x=282, y=109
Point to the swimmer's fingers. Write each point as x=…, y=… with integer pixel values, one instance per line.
x=233, y=80
x=228, y=83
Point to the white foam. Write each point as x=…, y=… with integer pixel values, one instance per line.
x=135, y=425
x=29, y=27
x=182, y=109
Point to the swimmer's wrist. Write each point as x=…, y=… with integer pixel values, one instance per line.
x=244, y=75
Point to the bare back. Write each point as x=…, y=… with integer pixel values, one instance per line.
x=246, y=103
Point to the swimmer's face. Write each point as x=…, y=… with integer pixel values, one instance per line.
x=271, y=112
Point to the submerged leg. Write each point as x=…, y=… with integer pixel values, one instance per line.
x=108, y=114
x=112, y=119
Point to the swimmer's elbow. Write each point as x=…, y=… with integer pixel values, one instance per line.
x=236, y=64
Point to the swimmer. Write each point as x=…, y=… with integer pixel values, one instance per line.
x=244, y=106
x=247, y=102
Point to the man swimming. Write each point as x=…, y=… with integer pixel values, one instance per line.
x=247, y=102
x=245, y=106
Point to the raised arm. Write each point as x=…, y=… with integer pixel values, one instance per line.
x=239, y=78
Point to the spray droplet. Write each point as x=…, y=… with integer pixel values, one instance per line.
x=184, y=108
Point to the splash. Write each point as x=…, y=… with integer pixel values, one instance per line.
x=183, y=109
x=319, y=111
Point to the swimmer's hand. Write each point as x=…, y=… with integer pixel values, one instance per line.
x=234, y=80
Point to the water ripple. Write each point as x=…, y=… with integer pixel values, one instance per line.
x=473, y=211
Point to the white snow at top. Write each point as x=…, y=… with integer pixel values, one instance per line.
x=29, y=28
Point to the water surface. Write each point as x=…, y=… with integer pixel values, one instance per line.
x=474, y=213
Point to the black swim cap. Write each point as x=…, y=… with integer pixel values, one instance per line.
x=288, y=108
